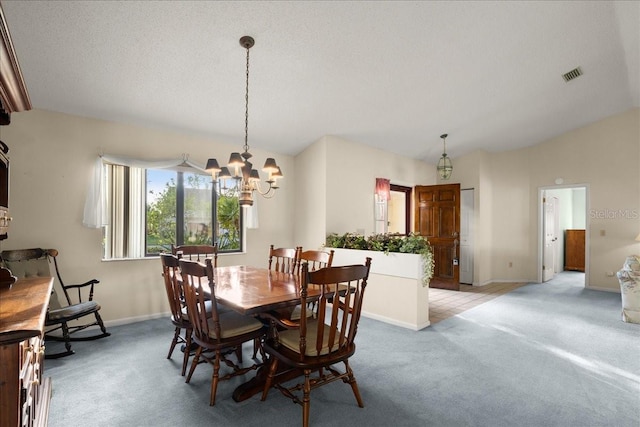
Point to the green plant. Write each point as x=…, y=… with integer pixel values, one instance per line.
x=411, y=244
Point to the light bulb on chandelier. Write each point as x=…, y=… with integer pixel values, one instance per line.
x=246, y=180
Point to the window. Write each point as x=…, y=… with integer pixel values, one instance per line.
x=150, y=209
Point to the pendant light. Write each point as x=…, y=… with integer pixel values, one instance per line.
x=444, y=165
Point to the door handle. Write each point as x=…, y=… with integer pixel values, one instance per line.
x=455, y=251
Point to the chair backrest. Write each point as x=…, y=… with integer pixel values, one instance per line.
x=34, y=262
x=173, y=284
x=194, y=276
x=315, y=259
x=284, y=260
x=196, y=252
x=338, y=308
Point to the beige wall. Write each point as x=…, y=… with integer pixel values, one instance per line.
x=351, y=172
x=602, y=155
x=336, y=182
x=311, y=195
x=51, y=157
x=331, y=187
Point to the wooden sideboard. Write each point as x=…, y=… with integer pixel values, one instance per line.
x=24, y=393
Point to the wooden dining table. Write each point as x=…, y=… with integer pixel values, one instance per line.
x=252, y=291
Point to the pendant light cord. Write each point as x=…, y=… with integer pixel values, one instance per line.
x=246, y=108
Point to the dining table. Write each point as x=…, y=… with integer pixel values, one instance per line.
x=253, y=291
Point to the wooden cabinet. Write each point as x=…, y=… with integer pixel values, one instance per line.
x=13, y=98
x=24, y=393
x=574, y=247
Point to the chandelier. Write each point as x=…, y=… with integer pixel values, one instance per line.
x=246, y=180
x=444, y=165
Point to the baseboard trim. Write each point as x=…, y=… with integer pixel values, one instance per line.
x=597, y=288
x=135, y=319
x=395, y=322
x=488, y=282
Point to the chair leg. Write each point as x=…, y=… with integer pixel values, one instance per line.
x=194, y=363
x=185, y=356
x=176, y=334
x=354, y=385
x=239, y=353
x=67, y=343
x=101, y=324
x=267, y=385
x=215, y=378
x=255, y=347
x=306, y=398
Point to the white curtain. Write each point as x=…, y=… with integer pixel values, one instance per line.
x=95, y=215
x=251, y=215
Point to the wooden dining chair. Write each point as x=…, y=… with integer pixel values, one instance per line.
x=284, y=260
x=220, y=333
x=196, y=252
x=315, y=260
x=313, y=345
x=179, y=318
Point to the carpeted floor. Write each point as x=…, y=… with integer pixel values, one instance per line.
x=550, y=354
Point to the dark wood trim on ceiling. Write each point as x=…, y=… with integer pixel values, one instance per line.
x=13, y=91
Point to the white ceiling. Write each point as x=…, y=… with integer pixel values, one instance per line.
x=393, y=75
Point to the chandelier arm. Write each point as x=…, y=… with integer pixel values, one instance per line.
x=268, y=193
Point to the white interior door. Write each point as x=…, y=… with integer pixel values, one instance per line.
x=550, y=219
x=466, y=236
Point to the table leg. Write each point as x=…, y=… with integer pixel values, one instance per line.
x=256, y=384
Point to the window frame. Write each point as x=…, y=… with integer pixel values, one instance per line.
x=125, y=229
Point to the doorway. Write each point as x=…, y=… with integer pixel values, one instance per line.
x=562, y=239
x=467, y=215
x=398, y=221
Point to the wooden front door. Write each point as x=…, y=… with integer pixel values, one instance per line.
x=437, y=217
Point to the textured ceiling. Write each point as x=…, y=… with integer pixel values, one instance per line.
x=393, y=75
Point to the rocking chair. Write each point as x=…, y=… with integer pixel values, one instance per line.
x=36, y=262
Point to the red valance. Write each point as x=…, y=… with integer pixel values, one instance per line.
x=383, y=188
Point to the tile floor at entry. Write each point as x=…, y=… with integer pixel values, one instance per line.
x=444, y=303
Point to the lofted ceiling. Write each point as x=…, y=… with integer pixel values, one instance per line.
x=392, y=75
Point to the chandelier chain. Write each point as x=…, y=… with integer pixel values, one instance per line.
x=246, y=107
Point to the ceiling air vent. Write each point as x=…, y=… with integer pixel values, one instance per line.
x=573, y=74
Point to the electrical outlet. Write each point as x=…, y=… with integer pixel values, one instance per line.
x=610, y=274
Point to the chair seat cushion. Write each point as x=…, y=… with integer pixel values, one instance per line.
x=73, y=311
x=290, y=338
x=295, y=314
x=233, y=324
